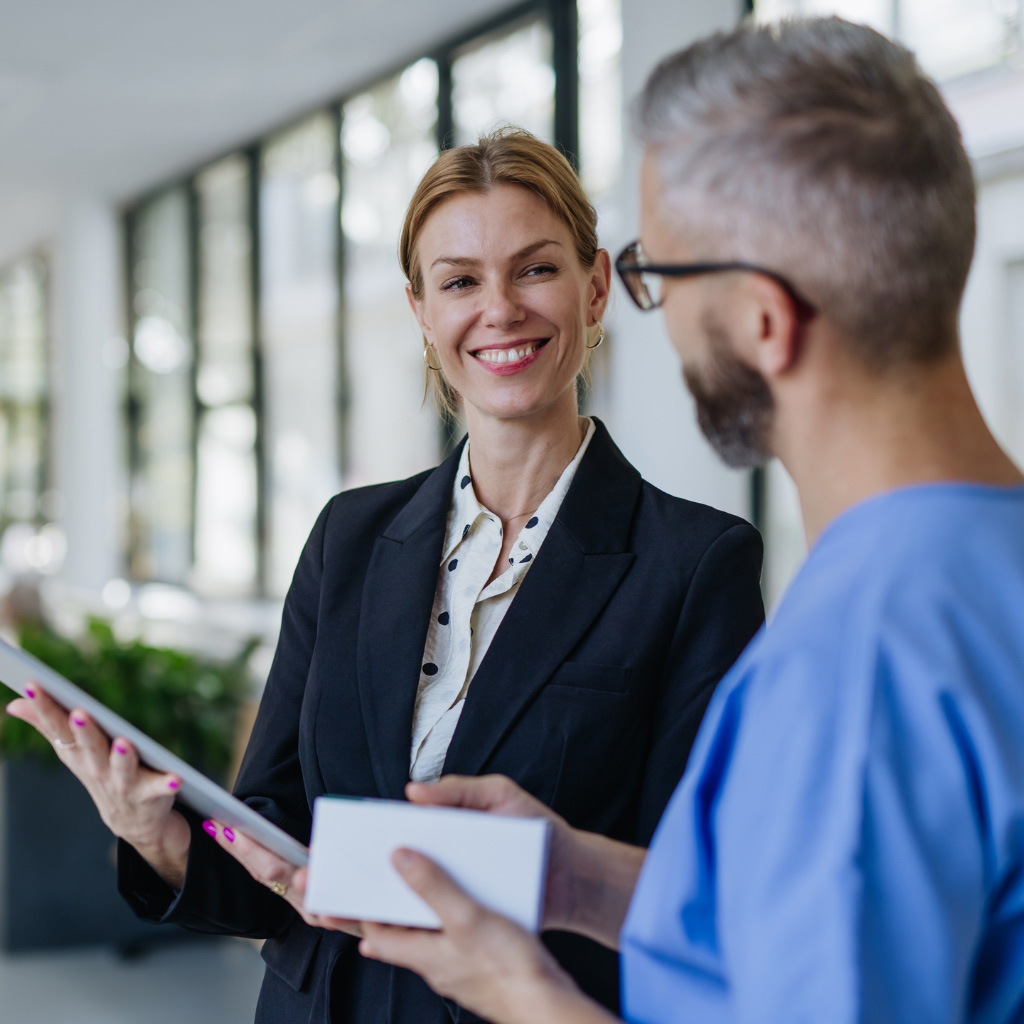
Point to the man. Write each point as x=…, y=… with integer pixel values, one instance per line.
x=848, y=841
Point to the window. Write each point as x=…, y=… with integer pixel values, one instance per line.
x=29, y=542
x=274, y=358
x=389, y=138
x=160, y=391
x=950, y=37
x=299, y=197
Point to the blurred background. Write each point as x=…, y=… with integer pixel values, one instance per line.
x=204, y=335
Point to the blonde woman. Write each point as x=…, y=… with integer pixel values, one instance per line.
x=530, y=607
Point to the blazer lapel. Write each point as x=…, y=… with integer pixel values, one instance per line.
x=395, y=613
x=579, y=567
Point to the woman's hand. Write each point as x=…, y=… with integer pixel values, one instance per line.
x=280, y=876
x=135, y=803
x=480, y=959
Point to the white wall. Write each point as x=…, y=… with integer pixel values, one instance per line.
x=87, y=402
x=651, y=414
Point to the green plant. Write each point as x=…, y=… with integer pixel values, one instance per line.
x=187, y=703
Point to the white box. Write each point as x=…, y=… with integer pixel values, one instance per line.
x=500, y=861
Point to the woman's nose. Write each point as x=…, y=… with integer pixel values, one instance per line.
x=501, y=306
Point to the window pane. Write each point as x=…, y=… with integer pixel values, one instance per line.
x=225, y=513
x=161, y=385
x=23, y=330
x=299, y=309
x=949, y=37
x=507, y=78
x=388, y=140
x=225, y=283
x=225, y=561
x=600, y=69
x=876, y=13
x=953, y=37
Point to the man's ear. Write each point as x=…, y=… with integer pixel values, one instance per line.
x=417, y=311
x=771, y=326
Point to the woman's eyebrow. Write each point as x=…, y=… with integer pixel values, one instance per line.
x=472, y=261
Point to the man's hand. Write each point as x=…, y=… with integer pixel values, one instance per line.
x=480, y=959
x=590, y=878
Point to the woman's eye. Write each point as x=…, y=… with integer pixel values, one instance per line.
x=457, y=284
x=540, y=270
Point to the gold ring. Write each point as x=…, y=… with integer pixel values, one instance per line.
x=278, y=888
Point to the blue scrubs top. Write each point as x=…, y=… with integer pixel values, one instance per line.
x=848, y=841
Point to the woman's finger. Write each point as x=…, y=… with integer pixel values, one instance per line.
x=89, y=742
x=46, y=715
x=277, y=874
x=130, y=778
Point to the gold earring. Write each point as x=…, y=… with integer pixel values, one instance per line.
x=600, y=336
x=426, y=357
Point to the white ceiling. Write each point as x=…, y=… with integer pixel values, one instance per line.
x=109, y=97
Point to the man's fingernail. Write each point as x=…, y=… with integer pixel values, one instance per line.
x=30, y=693
x=403, y=858
x=80, y=722
x=120, y=748
x=210, y=829
x=174, y=784
x=229, y=835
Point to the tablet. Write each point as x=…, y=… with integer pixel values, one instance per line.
x=19, y=669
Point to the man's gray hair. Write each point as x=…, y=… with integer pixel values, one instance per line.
x=819, y=149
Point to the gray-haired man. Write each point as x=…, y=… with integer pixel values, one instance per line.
x=848, y=841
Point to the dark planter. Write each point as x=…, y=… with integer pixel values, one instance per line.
x=58, y=880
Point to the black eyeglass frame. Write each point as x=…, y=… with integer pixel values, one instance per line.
x=627, y=263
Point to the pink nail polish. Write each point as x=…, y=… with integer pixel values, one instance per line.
x=120, y=748
x=210, y=829
x=229, y=835
x=80, y=722
x=174, y=784
x=30, y=693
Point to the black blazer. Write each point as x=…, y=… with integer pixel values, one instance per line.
x=589, y=696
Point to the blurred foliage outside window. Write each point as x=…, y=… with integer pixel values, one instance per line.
x=187, y=703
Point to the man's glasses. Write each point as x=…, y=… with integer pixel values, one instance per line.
x=643, y=280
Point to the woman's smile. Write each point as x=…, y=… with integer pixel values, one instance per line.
x=510, y=357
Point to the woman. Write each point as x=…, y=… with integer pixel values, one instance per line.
x=531, y=607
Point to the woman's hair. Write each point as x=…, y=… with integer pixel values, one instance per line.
x=507, y=156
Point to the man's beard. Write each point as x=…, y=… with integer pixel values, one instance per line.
x=735, y=407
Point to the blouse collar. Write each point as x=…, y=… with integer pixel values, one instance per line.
x=466, y=512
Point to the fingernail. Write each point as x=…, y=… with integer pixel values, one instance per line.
x=30, y=693
x=210, y=829
x=120, y=748
x=80, y=722
x=403, y=858
x=174, y=784
x=229, y=835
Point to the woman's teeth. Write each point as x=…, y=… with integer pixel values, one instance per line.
x=505, y=355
